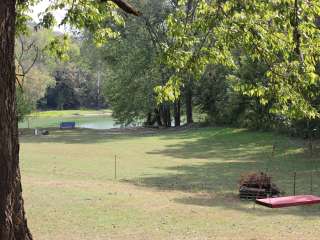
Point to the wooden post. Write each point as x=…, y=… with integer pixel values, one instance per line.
x=115, y=167
x=294, y=183
x=311, y=147
x=273, y=150
x=311, y=182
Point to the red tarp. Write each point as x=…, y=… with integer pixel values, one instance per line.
x=280, y=202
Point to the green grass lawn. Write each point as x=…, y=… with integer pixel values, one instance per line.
x=170, y=185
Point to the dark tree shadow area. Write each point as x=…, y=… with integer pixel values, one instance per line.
x=221, y=156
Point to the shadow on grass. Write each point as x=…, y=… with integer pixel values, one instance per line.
x=221, y=156
x=211, y=161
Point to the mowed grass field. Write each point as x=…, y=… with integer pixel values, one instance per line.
x=171, y=184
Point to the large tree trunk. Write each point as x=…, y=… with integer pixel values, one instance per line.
x=165, y=114
x=168, y=115
x=177, y=113
x=318, y=21
x=158, y=117
x=13, y=224
x=188, y=96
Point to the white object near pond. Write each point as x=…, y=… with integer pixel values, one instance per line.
x=35, y=131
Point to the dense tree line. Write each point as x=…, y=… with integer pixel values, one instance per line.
x=268, y=49
x=167, y=64
x=223, y=74
x=70, y=81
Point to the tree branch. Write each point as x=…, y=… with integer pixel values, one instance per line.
x=125, y=7
x=33, y=62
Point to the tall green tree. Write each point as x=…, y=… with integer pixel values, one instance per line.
x=135, y=68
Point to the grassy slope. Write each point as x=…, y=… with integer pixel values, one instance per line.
x=171, y=185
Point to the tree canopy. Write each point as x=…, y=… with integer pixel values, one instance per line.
x=282, y=35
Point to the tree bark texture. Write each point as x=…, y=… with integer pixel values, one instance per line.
x=166, y=115
x=125, y=7
x=13, y=224
x=157, y=116
x=188, y=97
x=177, y=113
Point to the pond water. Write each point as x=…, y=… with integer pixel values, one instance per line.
x=92, y=122
x=99, y=123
